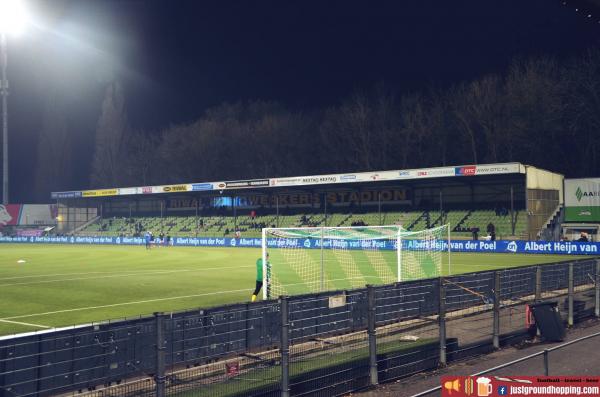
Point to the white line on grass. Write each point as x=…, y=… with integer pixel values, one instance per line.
x=51, y=275
x=21, y=323
x=77, y=274
x=123, y=275
x=124, y=304
x=87, y=273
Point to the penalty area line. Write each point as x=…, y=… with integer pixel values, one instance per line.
x=27, y=324
x=122, y=304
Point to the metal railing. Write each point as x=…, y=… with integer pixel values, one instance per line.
x=545, y=353
x=329, y=343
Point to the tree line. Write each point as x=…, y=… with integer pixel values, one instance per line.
x=540, y=111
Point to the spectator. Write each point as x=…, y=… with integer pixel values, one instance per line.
x=583, y=238
x=475, y=233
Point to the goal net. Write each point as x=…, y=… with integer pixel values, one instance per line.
x=313, y=259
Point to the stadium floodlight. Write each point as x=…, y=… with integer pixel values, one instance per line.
x=314, y=259
x=13, y=20
x=13, y=17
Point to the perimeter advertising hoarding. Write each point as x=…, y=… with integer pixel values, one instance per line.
x=162, y=189
x=10, y=214
x=174, y=188
x=582, y=200
x=421, y=173
x=100, y=193
x=245, y=184
x=397, y=175
x=128, y=191
x=64, y=195
x=500, y=246
x=28, y=214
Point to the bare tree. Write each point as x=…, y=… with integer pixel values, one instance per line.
x=54, y=151
x=112, y=127
x=582, y=87
x=535, y=113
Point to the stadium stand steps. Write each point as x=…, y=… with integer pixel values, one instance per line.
x=461, y=222
x=413, y=225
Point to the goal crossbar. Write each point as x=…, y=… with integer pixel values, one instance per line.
x=314, y=259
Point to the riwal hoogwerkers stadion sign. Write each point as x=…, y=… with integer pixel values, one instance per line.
x=582, y=200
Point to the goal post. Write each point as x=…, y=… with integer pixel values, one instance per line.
x=314, y=259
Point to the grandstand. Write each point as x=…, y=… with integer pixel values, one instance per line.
x=517, y=200
x=461, y=223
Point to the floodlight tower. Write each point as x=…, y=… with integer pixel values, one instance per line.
x=12, y=22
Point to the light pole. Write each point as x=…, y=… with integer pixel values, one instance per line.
x=4, y=93
x=12, y=21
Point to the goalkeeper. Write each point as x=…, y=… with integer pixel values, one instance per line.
x=259, y=275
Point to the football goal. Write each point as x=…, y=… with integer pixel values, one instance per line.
x=314, y=259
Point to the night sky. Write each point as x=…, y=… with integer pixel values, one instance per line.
x=177, y=58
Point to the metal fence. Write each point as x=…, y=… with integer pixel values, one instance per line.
x=533, y=364
x=324, y=344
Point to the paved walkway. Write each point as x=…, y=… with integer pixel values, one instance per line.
x=580, y=358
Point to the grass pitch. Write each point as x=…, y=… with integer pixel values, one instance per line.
x=66, y=285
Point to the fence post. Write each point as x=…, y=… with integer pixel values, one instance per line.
x=570, y=297
x=538, y=283
x=597, y=278
x=285, y=347
x=442, y=322
x=159, y=378
x=371, y=333
x=496, y=324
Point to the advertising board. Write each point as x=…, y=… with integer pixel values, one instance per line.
x=373, y=176
x=582, y=200
x=500, y=246
x=100, y=193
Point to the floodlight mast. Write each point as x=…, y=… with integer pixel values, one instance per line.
x=4, y=93
x=13, y=20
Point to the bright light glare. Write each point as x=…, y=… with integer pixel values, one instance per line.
x=13, y=17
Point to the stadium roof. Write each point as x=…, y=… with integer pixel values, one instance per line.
x=310, y=180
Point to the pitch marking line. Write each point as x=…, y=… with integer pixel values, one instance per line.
x=82, y=274
x=52, y=275
x=89, y=273
x=152, y=273
x=122, y=304
x=28, y=324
